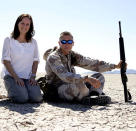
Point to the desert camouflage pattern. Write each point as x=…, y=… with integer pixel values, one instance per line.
x=60, y=71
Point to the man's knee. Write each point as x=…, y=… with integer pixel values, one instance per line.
x=72, y=91
x=68, y=91
x=83, y=90
x=99, y=76
x=64, y=93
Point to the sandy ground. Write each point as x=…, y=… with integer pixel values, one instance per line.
x=117, y=116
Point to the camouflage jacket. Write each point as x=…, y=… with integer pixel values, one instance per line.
x=60, y=68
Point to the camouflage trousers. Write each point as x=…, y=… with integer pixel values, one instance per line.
x=77, y=91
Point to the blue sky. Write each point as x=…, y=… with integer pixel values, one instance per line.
x=93, y=23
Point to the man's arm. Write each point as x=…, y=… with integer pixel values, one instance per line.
x=61, y=71
x=92, y=64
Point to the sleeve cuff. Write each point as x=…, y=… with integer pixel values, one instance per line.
x=5, y=58
x=36, y=59
x=112, y=66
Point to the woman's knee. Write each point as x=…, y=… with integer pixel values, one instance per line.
x=16, y=93
x=20, y=99
x=35, y=94
x=37, y=98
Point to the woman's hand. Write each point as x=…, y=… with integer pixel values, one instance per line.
x=94, y=82
x=19, y=81
x=32, y=81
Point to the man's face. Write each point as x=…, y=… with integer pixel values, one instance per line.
x=66, y=48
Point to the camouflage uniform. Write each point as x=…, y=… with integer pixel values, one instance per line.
x=60, y=71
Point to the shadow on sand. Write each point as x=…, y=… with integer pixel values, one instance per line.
x=31, y=107
x=69, y=105
x=20, y=108
x=75, y=106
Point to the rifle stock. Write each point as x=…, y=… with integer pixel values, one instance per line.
x=127, y=95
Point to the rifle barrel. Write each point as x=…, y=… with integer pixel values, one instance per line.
x=120, y=33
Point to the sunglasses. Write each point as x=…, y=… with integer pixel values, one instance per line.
x=66, y=41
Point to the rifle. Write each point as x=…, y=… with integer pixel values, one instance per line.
x=127, y=94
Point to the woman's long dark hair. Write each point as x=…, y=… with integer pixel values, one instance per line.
x=15, y=34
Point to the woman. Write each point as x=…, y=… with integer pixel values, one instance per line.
x=20, y=58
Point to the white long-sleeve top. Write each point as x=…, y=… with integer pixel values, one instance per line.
x=21, y=56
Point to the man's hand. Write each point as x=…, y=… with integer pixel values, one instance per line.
x=94, y=82
x=118, y=66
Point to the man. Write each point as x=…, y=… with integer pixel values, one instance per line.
x=61, y=73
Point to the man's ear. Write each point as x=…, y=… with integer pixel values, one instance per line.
x=73, y=44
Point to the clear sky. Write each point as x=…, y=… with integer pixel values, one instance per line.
x=93, y=23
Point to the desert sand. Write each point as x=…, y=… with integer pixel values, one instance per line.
x=118, y=116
